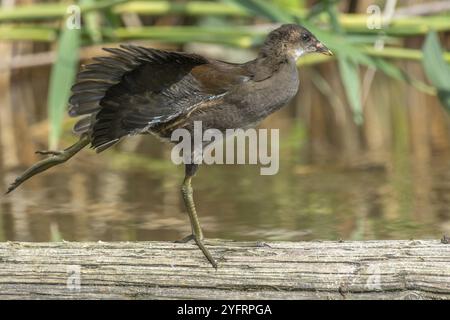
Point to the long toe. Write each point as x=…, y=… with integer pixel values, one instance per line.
x=49, y=152
x=186, y=239
x=206, y=252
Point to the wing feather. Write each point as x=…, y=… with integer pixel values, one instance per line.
x=136, y=88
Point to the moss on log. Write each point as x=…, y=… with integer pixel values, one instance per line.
x=416, y=269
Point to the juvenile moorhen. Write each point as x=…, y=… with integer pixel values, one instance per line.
x=138, y=90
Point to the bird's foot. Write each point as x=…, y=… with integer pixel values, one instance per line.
x=201, y=245
x=53, y=160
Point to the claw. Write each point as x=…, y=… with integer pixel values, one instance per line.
x=57, y=157
x=201, y=246
x=206, y=253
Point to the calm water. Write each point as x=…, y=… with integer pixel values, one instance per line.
x=118, y=196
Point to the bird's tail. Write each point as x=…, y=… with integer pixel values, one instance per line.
x=57, y=157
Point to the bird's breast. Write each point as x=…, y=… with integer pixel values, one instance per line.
x=243, y=108
x=260, y=99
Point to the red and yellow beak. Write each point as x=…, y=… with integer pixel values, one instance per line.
x=321, y=48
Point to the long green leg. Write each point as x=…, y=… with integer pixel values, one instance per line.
x=57, y=157
x=197, y=234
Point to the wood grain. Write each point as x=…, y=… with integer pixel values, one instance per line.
x=416, y=269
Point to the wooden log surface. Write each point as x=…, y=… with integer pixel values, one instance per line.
x=414, y=269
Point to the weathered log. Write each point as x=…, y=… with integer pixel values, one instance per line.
x=416, y=269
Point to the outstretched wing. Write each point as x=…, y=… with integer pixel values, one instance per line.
x=137, y=88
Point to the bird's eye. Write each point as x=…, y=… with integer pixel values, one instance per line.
x=306, y=37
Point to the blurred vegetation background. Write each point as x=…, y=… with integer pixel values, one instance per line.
x=366, y=142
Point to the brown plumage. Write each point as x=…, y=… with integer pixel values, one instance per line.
x=138, y=90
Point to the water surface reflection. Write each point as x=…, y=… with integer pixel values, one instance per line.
x=94, y=198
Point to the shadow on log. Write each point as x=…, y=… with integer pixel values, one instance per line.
x=416, y=269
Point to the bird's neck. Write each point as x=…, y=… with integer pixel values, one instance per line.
x=266, y=65
x=271, y=55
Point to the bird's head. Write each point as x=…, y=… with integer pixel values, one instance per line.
x=293, y=40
